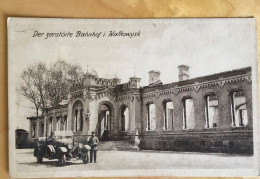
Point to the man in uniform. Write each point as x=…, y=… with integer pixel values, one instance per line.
x=93, y=142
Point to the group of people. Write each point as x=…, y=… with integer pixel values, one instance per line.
x=93, y=142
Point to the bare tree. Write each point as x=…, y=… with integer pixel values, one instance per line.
x=33, y=85
x=48, y=87
x=60, y=74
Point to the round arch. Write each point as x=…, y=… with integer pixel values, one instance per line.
x=107, y=103
x=105, y=120
x=77, y=116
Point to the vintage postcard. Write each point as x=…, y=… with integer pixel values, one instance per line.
x=132, y=97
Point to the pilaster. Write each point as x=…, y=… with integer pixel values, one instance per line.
x=199, y=111
x=159, y=115
x=177, y=114
x=224, y=107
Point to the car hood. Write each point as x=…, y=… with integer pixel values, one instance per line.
x=65, y=141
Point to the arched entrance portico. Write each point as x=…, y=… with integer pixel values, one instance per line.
x=105, y=116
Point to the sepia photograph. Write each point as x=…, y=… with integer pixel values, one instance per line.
x=132, y=97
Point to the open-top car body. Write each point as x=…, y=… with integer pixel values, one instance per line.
x=62, y=146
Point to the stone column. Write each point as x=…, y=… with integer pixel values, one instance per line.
x=70, y=114
x=132, y=116
x=224, y=108
x=85, y=111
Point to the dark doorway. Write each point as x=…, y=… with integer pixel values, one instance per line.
x=104, y=122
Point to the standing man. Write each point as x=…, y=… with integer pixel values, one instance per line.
x=93, y=142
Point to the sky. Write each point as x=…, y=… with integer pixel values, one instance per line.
x=206, y=45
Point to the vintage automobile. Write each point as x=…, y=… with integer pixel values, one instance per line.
x=62, y=146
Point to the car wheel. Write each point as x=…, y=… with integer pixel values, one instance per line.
x=39, y=159
x=84, y=158
x=62, y=160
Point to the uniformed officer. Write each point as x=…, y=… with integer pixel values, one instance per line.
x=93, y=142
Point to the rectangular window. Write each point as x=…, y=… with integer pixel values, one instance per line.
x=188, y=114
x=151, y=122
x=239, y=109
x=168, y=115
x=211, y=111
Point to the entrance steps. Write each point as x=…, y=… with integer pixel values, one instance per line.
x=115, y=146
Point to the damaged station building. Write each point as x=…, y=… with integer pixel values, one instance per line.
x=206, y=114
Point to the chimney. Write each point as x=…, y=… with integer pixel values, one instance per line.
x=154, y=77
x=183, y=72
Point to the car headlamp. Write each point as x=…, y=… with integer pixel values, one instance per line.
x=70, y=146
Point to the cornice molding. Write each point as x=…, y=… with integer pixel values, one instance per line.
x=173, y=89
x=129, y=97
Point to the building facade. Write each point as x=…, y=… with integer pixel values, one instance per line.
x=207, y=114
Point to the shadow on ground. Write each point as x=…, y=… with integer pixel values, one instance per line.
x=51, y=163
